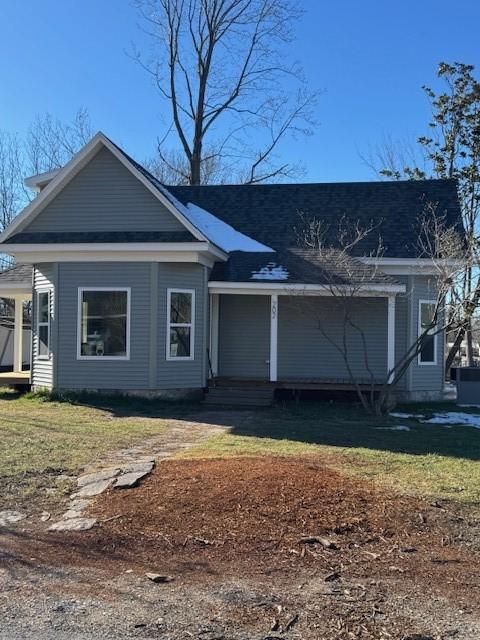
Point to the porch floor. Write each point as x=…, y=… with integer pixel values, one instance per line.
x=14, y=378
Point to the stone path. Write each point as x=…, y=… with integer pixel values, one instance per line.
x=126, y=468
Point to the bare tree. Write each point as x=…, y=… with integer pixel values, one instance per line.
x=349, y=280
x=48, y=144
x=450, y=149
x=220, y=67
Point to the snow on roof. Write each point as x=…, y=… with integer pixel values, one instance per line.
x=221, y=233
x=271, y=271
x=218, y=232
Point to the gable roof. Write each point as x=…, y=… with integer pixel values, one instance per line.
x=69, y=171
x=269, y=213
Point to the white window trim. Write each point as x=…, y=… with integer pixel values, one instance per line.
x=179, y=324
x=79, y=324
x=43, y=324
x=435, y=337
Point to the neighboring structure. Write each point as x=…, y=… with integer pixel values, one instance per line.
x=146, y=289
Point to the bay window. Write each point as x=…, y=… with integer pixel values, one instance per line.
x=180, y=324
x=103, y=323
x=428, y=347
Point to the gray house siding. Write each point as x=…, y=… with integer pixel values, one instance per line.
x=103, y=374
x=303, y=352
x=44, y=278
x=424, y=378
x=244, y=336
x=186, y=374
x=147, y=369
x=105, y=196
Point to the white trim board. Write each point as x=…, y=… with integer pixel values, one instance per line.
x=266, y=288
x=408, y=266
x=79, y=324
x=72, y=168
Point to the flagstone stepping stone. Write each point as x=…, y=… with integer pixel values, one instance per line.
x=73, y=524
x=79, y=505
x=138, y=467
x=94, y=488
x=9, y=517
x=129, y=479
x=104, y=474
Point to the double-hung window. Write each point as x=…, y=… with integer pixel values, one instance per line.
x=428, y=347
x=180, y=324
x=103, y=323
x=43, y=324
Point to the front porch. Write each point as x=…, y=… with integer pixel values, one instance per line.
x=16, y=286
x=261, y=336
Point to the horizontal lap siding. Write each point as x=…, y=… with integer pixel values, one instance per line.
x=107, y=374
x=105, y=196
x=244, y=336
x=42, y=370
x=303, y=352
x=182, y=374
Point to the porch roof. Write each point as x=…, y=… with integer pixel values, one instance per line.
x=16, y=282
x=299, y=266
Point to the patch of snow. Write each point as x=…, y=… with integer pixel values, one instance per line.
x=271, y=271
x=399, y=427
x=407, y=416
x=455, y=418
x=218, y=232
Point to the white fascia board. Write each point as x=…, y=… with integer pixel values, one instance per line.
x=53, y=253
x=409, y=266
x=126, y=247
x=265, y=288
x=35, y=182
x=202, y=252
x=67, y=173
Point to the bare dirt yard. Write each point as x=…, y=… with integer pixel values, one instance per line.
x=250, y=547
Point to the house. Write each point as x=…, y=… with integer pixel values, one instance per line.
x=145, y=289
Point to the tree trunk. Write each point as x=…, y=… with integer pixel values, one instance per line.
x=469, y=346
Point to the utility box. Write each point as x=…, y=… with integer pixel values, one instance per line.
x=468, y=385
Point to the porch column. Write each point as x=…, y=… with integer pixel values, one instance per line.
x=18, y=336
x=391, y=334
x=214, y=313
x=273, y=336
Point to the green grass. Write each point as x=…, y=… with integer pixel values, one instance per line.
x=428, y=460
x=42, y=438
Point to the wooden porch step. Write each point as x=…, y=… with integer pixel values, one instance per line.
x=242, y=396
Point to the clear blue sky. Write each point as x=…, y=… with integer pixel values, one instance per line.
x=369, y=58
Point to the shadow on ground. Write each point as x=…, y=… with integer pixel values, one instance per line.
x=320, y=423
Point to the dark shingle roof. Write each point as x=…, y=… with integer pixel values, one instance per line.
x=20, y=273
x=270, y=213
x=101, y=236
x=298, y=266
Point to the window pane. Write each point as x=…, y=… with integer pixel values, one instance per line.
x=104, y=323
x=427, y=353
x=180, y=342
x=426, y=310
x=180, y=308
x=43, y=340
x=43, y=307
